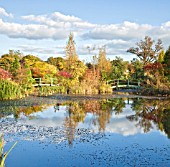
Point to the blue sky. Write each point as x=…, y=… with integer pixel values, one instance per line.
x=41, y=27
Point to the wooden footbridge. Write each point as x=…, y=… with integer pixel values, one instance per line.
x=44, y=82
x=115, y=84
x=127, y=84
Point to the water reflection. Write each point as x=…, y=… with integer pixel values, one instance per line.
x=115, y=114
x=105, y=132
x=149, y=112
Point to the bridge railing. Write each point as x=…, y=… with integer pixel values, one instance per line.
x=124, y=83
x=45, y=82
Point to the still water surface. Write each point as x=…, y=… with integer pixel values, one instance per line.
x=86, y=131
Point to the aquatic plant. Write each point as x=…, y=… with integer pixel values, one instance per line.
x=3, y=156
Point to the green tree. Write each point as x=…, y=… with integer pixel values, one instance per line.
x=15, y=67
x=137, y=69
x=119, y=68
x=167, y=63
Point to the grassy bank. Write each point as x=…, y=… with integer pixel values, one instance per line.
x=10, y=90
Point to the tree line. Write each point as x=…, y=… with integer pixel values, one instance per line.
x=151, y=66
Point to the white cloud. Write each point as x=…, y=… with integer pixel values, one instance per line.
x=41, y=50
x=56, y=26
x=126, y=30
x=31, y=31
x=113, y=47
x=4, y=13
x=45, y=20
x=167, y=24
x=66, y=18
x=59, y=20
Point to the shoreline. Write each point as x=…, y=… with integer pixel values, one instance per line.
x=117, y=94
x=102, y=96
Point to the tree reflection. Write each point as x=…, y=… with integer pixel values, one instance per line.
x=7, y=110
x=101, y=110
x=28, y=111
x=104, y=114
x=77, y=111
x=149, y=112
x=166, y=122
x=18, y=110
x=76, y=114
x=118, y=104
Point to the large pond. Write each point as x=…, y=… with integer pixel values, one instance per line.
x=60, y=131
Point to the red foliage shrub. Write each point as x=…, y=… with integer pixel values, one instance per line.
x=92, y=75
x=5, y=74
x=153, y=66
x=65, y=74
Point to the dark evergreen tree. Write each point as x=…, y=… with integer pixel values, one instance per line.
x=167, y=63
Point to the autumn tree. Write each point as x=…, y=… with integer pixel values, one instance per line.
x=73, y=65
x=43, y=70
x=145, y=51
x=24, y=79
x=104, y=65
x=30, y=60
x=38, y=67
x=151, y=57
x=91, y=81
x=59, y=62
x=11, y=61
x=70, y=51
